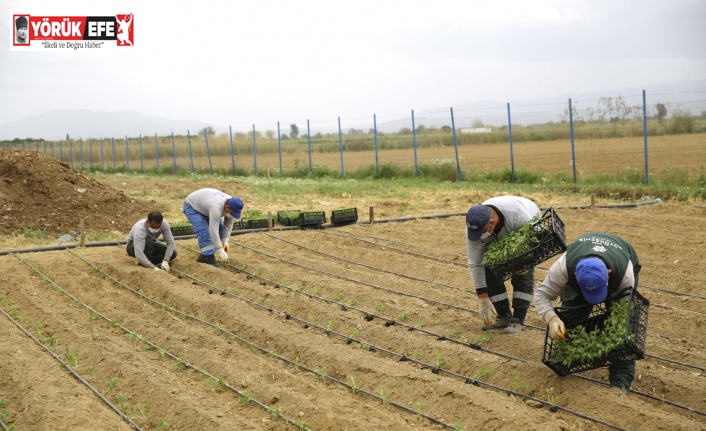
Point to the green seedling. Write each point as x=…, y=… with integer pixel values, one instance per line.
x=121, y=399
x=378, y=307
x=321, y=374
x=453, y=332
x=418, y=354
x=420, y=324
x=583, y=347
x=350, y=302
x=403, y=316
x=181, y=364
x=91, y=369
x=275, y=413
x=482, y=372
x=354, y=387
x=483, y=339
x=218, y=384
x=517, y=385
x=511, y=246
x=112, y=383
x=364, y=346
x=316, y=291
x=439, y=361
x=245, y=399
x=329, y=326
x=338, y=295
x=549, y=396
x=418, y=408
x=140, y=410
x=303, y=426
x=383, y=396
x=459, y=427
x=160, y=354
x=355, y=333
x=163, y=424
x=259, y=271
x=71, y=356
x=297, y=363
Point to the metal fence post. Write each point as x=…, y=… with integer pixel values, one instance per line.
x=127, y=155
x=279, y=149
x=375, y=140
x=512, y=152
x=573, y=149
x=208, y=150
x=191, y=153
x=308, y=140
x=174, y=154
x=458, y=161
x=232, y=148
x=254, y=148
x=644, y=132
x=340, y=147
x=414, y=146
x=156, y=153
x=142, y=156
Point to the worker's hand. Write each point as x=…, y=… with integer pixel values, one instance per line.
x=487, y=311
x=556, y=328
x=165, y=266
x=222, y=255
x=156, y=268
x=226, y=247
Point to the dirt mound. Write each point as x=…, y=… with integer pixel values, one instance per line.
x=41, y=193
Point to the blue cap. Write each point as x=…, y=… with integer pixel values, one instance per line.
x=592, y=276
x=476, y=219
x=236, y=205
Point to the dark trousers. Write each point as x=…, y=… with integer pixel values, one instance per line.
x=522, y=288
x=154, y=251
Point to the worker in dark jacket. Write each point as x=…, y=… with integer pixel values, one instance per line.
x=596, y=268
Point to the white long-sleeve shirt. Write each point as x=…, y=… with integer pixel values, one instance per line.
x=140, y=231
x=516, y=211
x=211, y=203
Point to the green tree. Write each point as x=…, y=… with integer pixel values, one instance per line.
x=661, y=111
x=208, y=130
x=294, y=131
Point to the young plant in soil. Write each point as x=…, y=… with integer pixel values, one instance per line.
x=511, y=246
x=581, y=347
x=275, y=413
x=383, y=396
x=163, y=424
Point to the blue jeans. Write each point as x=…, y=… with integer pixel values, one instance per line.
x=200, y=224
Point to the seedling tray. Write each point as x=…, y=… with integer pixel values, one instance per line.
x=312, y=218
x=289, y=217
x=349, y=215
x=549, y=232
x=257, y=224
x=594, y=317
x=182, y=229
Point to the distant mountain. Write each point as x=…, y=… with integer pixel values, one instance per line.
x=683, y=94
x=94, y=124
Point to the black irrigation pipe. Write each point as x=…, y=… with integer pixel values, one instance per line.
x=138, y=337
x=402, y=358
x=418, y=279
x=64, y=364
x=370, y=266
x=439, y=337
x=4, y=427
x=368, y=316
x=246, y=341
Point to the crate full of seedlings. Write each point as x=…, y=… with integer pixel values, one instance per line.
x=598, y=335
x=289, y=217
x=540, y=239
x=312, y=218
x=181, y=228
x=348, y=215
x=262, y=223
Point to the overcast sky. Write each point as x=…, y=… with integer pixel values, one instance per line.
x=243, y=62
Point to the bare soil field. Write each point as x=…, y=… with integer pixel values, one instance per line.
x=359, y=327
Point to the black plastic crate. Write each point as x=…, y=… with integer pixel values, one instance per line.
x=312, y=218
x=256, y=224
x=289, y=217
x=593, y=317
x=348, y=215
x=182, y=229
x=549, y=232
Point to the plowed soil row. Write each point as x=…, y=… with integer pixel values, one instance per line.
x=387, y=268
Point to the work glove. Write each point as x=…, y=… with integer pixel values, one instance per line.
x=487, y=311
x=165, y=266
x=226, y=247
x=556, y=328
x=222, y=255
x=156, y=268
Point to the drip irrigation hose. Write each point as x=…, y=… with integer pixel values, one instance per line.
x=424, y=298
x=241, y=339
x=391, y=323
x=64, y=364
x=138, y=337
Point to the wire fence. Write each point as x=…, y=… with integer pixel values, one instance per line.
x=634, y=138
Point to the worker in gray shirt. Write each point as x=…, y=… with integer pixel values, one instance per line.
x=485, y=223
x=142, y=242
x=212, y=213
